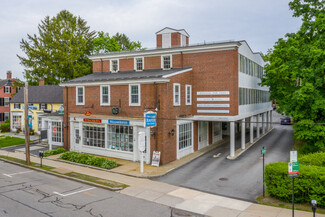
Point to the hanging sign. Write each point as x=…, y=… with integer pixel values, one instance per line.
x=155, y=158
x=92, y=120
x=150, y=119
x=88, y=113
x=115, y=111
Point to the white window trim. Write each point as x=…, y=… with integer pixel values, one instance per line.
x=83, y=100
x=111, y=66
x=139, y=87
x=179, y=95
x=135, y=63
x=162, y=61
x=188, y=103
x=8, y=101
x=7, y=88
x=187, y=150
x=101, y=95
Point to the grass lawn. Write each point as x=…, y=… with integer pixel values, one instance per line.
x=6, y=141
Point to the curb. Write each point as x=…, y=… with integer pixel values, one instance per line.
x=63, y=176
x=243, y=151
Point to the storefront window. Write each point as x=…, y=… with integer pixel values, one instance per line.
x=56, y=131
x=120, y=137
x=16, y=121
x=94, y=135
x=185, y=136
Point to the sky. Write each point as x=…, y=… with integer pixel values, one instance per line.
x=260, y=22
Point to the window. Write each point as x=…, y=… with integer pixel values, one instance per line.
x=134, y=94
x=16, y=121
x=43, y=106
x=80, y=93
x=177, y=94
x=120, y=138
x=105, y=95
x=94, y=135
x=6, y=116
x=7, y=89
x=188, y=94
x=138, y=64
x=184, y=136
x=114, y=66
x=56, y=131
x=16, y=106
x=166, y=62
x=6, y=101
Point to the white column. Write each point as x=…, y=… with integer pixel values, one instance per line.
x=251, y=130
x=243, y=126
x=263, y=123
x=232, y=139
x=267, y=121
x=258, y=126
x=271, y=120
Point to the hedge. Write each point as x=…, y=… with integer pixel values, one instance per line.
x=315, y=159
x=88, y=159
x=54, y=152
x=310, y=185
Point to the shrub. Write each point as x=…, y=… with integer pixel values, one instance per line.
x=315, y=159
x=309, y=185
x=54, y=152
x=88, y=159
x=5, y=127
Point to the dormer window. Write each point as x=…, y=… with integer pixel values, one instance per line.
x=114, y=66
x=7, y=89
x=166, y=62
x=138, y=63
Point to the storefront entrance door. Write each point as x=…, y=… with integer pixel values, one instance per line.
x=203, y=134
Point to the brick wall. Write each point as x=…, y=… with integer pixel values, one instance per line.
x=175, y=39
x=159, y=41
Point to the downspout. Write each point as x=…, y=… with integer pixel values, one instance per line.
x=182, y=64
x=101, y=65
x=156, y=108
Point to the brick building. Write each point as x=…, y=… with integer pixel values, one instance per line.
x=200, y=93
x=7, y=90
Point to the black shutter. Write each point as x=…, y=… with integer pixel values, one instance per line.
x=4, y=89
x=16, y=89
x=1, y=102
x=45, y=106
x=9, y=89
x=1, y=116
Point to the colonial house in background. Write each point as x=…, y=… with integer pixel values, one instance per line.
x=7, y=90
x=200, y=93
x=43, y=101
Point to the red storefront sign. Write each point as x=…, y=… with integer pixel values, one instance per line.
x=92, y=120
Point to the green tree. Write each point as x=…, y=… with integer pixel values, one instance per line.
x=295, y=73
x=104, y=43
x=59, y=52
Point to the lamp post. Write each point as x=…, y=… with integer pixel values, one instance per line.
x=26, y=124
x=314, y=203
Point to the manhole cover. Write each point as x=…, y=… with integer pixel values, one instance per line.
x=223, y=179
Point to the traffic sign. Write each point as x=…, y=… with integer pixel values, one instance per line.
x=293, y=156
x=293, y=169
x=263, y=151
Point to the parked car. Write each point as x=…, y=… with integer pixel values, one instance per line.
x=285, y=120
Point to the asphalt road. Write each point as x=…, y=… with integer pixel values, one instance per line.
x=25, y=192
x=240, y=178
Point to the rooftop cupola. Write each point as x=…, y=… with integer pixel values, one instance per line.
x=168, y=37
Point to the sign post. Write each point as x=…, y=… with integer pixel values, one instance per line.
x=142, y=147
x=263, y=153
x=293, y=170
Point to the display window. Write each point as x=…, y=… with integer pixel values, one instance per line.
x=120, y=138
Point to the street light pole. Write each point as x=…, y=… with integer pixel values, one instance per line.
x=26, y=124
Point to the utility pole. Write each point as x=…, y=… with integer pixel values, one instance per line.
x=26, y=124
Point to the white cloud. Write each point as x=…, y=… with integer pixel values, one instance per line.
x=261, y=23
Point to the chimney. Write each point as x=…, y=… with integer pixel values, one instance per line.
x=41, y=82
x=9, y=74
x=168, y=37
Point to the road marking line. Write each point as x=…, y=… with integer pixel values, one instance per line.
x=216, y=155
x=64, y=195
x=10, y=175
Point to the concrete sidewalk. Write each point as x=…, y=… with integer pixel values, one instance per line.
x=174, y=196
